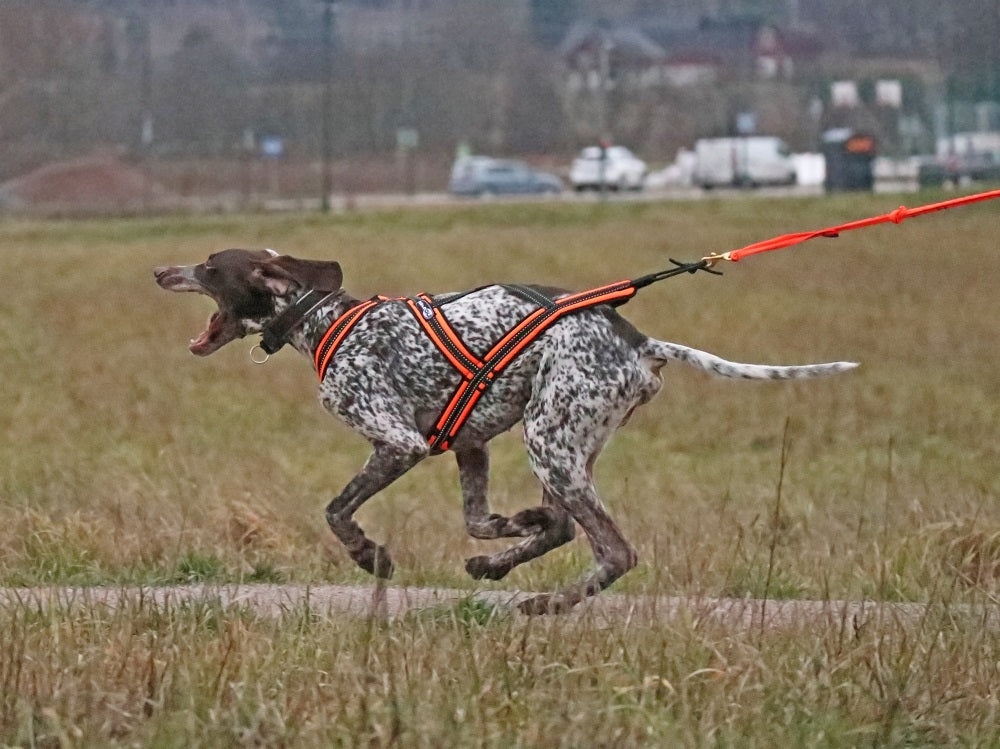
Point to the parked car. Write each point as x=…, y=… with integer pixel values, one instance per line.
x=613, y=167
x=483, y=175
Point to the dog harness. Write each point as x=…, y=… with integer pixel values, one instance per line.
x=477, y=374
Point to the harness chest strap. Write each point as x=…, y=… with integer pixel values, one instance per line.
x=477, y=374
x=338, y=332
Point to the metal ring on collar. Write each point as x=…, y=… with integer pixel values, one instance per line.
x=256, y=359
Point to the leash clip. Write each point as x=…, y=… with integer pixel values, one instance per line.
x=256, y=358
x=713, y=259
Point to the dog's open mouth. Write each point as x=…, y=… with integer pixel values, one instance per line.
x=220, y=330
x=203, y=343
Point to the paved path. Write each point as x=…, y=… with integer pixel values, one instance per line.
x=607, y=609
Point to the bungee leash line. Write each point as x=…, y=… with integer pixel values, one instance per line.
x=477, y=374
x=896, y=217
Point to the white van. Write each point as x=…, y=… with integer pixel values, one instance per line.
x=743, y=162
x=613, y=167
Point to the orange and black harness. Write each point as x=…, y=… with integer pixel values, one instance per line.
x=477, y=374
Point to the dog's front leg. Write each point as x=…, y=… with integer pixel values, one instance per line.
x=545, y=527
x=386, y=464
x=474, y=477
x=473, y=474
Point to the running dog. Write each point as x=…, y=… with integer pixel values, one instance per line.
x=427, y=374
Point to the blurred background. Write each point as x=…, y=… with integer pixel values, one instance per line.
x=144, y=105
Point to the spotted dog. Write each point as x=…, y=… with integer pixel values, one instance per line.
x=571, y=388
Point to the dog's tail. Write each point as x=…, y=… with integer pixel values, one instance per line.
x=664, y=351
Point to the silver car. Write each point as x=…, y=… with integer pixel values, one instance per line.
x=482, y=175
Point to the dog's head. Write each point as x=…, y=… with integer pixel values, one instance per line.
x=246, y=285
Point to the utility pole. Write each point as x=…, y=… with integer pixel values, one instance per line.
x=604, y=66
x=137, y=29
x=327, y=116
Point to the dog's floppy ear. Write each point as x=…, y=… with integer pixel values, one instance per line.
x=279, y=273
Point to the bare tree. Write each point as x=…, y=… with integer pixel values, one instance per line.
x=202, y=100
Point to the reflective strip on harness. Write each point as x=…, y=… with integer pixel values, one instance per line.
x=477, y=375
x=433, y=321
x=338, y=332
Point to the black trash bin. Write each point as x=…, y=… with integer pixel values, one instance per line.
x=849, y=157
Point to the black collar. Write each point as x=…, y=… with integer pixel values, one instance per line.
x=275, y=334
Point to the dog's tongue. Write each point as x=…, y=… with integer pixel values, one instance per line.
x=202, y=345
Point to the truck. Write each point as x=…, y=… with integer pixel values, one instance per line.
x=749, y=161
x=973, y=155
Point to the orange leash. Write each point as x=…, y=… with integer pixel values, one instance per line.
x=896, y=217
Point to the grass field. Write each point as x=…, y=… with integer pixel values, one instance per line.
x=129, y=461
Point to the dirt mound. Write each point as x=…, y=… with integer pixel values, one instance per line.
x=95, y=183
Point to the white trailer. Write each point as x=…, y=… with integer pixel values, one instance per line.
x=743, y=162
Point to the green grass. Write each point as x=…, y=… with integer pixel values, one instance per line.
x=128, y=461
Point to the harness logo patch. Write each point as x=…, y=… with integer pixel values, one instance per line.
x=425, y=309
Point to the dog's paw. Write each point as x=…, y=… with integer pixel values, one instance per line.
x=531, y=521
x=480, y=567
x=546, y=603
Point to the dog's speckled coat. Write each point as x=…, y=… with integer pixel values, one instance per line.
x=571, y=388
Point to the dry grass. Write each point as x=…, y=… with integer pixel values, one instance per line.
x=200, y=675
x=129, y=461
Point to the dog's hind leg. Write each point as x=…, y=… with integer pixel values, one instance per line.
x=387, y=463
x=563, y=441
x=546, y=527
x=614, y=554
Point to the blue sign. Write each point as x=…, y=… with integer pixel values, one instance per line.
x=272, y=146
x=746, y=123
